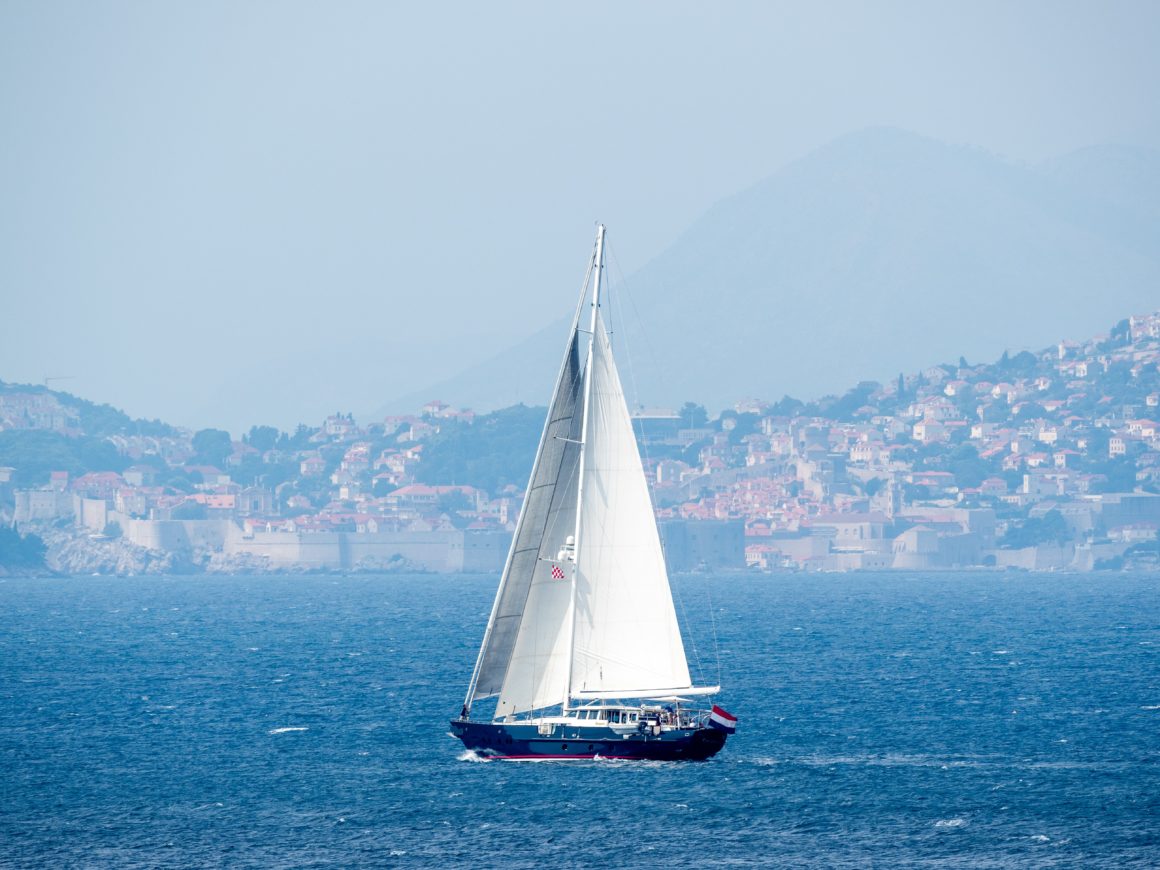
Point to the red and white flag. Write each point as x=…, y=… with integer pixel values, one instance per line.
x=557, y=572
x=723, y=720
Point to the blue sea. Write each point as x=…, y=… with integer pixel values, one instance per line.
x=977, y=720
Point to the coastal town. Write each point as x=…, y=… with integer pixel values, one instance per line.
x=1038, y=461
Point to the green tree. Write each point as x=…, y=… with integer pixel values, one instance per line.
x=300, y=440
x=455, y=500
x=1031, y=411
x=786, y=406
x=969, y=470
x=20, y=551
x=1120, y=472
x=277, y=473
x=743, y=424
x=36, y=452
x=495, y=451
x=693, y=416
x=844, y=408
x=1121, y=333
x=1051, y=528
x=212, y=447
x=262, y=438
x=1024, y=362
x=249, y=471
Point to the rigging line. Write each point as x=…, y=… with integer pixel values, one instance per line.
x=688, y=628
x=621, y=282
x=713, y=622
x=659, y=371
x=628, y=358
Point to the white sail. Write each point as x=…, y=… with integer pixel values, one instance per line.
x=584, y=608
x=626, y=639
x=525, y=657
x=537, y=675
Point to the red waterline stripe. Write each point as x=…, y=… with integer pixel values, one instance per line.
x=571, y=757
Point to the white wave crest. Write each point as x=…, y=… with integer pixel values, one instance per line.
x=287, y=729
x=471, y=755
x=950, y=823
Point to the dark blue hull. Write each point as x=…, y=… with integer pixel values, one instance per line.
x=527, y=742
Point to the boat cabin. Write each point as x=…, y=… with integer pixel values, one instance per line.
x=607, y=715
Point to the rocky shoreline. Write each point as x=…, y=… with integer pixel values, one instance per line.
x=79, y=552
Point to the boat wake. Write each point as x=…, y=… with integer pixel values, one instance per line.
x=472, y=756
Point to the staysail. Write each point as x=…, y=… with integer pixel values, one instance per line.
x=525, y=655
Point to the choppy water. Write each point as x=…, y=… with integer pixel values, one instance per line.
x=975, y=720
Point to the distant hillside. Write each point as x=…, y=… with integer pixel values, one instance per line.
x=1092, y=386
x=873, y=255
x=64, y=412
x=495, y=451
x=43, y=430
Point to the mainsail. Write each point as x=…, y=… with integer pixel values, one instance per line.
x=627, y=642
x=584, y=608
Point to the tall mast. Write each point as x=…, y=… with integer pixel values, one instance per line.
x=483, y=649
x=599, y=269
x=595, y=298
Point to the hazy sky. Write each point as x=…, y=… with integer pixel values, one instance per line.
x=235, y=213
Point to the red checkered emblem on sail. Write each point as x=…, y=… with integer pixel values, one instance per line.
x=557, y=572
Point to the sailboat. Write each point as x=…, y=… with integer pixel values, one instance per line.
x=582, y=650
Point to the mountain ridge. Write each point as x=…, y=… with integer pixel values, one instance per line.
x=866, y=257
